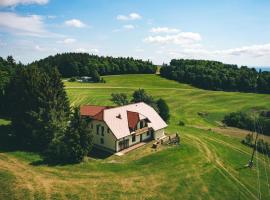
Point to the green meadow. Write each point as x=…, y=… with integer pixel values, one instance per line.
x=209, y=163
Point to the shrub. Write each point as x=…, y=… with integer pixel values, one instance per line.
x=164, y=110
x=73, y=79
x=181, y=123
x=119, y=99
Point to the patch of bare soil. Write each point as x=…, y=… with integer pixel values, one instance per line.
x=234, y=132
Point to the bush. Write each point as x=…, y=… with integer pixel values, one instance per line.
x=73, y=79
x=181, y=123
x=164, y=110
x=262, y=146
x=119, y=99
x=140, y=95
x=248, y=121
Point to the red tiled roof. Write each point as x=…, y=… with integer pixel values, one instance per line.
x=133, y=119
x=99, y=116
x=90, y=110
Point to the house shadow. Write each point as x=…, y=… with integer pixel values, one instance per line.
x=8, y=143
x=95, y=154
x=99, y=154
x=7, y=140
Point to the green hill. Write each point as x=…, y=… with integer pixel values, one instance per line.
x=209, y=164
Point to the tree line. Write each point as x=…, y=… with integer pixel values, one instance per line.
x=254, y=121
x=213, y=75
x=84, y=64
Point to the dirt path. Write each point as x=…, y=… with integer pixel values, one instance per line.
x=26, y=178
x=212, y=157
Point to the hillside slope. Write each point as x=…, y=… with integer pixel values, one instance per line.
x=209, y=164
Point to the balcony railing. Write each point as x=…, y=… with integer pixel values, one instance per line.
x=142, y=130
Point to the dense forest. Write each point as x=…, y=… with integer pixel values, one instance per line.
x=83, y=64
x=213, y=75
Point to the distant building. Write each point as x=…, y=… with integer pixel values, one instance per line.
x=85, y=79
x=117, y=128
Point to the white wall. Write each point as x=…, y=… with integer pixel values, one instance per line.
x=145, y=136
x=159, y=134
x=110, y=142
x=109, y=138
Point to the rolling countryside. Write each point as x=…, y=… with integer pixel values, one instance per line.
x=209, y=163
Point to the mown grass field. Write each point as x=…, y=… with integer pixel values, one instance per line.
x=209, y=164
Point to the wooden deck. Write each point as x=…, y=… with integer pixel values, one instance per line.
x=123, y=152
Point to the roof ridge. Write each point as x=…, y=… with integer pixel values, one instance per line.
x=126, y=105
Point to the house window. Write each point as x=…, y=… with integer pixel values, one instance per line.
x=108, y=130
x=102, y=130
x=92, y=126
x=133, y=138
x=148, y=133
x=101, y=141
x=97, y=129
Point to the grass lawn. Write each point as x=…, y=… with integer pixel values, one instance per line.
x=207, y=165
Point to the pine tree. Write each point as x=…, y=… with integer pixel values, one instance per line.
x=74, y=144
x=38, y=105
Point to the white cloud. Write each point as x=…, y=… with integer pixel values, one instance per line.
x=67, y=41
x=84, y=50
x=183, y=39
x=51, y=16
x=253, y=50
x=75, y=23
x=131, y=16
x=129, y=26
x=94, y=51
x=45, y=49
x=246, y=55
x=6, y=3
x=164, y=30
x=31, y=25
x=139, y=50
x=38, y=48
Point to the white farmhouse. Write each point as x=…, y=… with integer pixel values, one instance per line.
x=117, y=128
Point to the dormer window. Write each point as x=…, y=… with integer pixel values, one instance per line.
x=141, y=124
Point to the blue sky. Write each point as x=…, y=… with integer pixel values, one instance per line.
x=230, y=31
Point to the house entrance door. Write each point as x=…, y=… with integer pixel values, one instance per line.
x=123, y=144
x=152, y=134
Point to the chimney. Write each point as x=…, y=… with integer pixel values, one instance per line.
x=119, y=116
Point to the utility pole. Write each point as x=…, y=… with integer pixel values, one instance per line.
x=250, y=162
